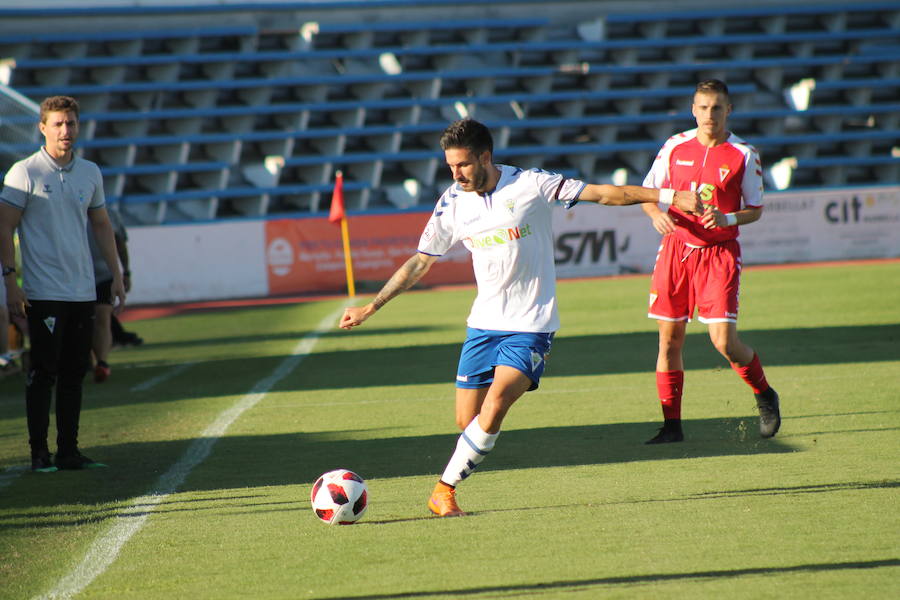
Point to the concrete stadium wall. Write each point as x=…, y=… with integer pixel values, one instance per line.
x=295, y=256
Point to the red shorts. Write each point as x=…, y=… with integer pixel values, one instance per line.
x=685, y=277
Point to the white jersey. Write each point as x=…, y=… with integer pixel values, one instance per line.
x=509, y=233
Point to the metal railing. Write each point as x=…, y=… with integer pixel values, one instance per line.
x=18, y=126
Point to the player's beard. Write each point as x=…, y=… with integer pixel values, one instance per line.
x=479, y=179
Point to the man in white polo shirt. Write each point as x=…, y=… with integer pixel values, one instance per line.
x=50, y=197
x=502, y=215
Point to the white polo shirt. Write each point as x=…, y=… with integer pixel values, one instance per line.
x=509, y=233
x=56, y=259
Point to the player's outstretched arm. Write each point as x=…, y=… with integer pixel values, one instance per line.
x=624, y=195
x=403, y=278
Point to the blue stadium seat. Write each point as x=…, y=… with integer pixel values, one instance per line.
x=253, y=118
x=748, y=12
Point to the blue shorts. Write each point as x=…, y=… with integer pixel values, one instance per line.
x=484, y=349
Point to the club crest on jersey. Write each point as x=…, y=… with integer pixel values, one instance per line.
x=723, y=172
x=50, y=322
x=47, y=188
x=511, y=205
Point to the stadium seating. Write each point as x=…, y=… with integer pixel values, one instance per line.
x=198, y=123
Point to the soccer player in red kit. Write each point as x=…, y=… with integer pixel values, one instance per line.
x=699, y=260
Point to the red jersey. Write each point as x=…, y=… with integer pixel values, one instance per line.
x=728, y=176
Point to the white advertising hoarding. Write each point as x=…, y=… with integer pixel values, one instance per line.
x=825, y=225
x=211, y=261
x=592, y=240
x=803, y=226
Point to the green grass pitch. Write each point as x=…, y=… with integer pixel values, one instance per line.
x=571, y=504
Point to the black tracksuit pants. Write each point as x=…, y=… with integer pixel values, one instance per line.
x=60, y=335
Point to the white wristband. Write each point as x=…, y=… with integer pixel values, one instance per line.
x=730, y=219
x=666, y=195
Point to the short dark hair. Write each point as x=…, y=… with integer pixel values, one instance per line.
x=58, y=104
x=469, y=134
x=712, y=86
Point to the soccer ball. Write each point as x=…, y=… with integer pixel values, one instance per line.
x=340, y=497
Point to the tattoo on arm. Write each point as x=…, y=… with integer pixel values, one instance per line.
x=405, y=277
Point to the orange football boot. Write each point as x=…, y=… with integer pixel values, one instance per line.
x=443, y=501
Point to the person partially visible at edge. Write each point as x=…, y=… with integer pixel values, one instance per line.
x=103, y=277
x=699, y=260
x=502, y=215
x=51, y=196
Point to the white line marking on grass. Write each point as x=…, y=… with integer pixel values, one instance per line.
x=162, y=377
x=103, y=552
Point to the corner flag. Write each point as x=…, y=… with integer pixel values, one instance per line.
x=337, y=215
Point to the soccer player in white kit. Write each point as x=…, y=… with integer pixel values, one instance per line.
x=502, y=215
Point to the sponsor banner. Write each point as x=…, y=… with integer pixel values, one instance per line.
x=591, y=240
x=306, y=255
x=806, y=226
x=825, y=225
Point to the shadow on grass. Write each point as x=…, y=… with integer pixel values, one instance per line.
x=436, y=364
x=601, y=582
x=251, y=339
x=594, y=355
x=773, y=491
x=241, y=462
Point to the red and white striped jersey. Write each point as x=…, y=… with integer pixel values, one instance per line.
x=728, y=176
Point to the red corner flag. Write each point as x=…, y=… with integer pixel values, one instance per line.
x=337, y=213
x=338, y=216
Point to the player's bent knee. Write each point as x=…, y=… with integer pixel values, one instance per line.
x=731, y=350
x=493, y=413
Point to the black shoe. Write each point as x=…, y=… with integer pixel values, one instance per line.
x=769, y=413
x=668, y=433
x=75, y=461
x=42, y=463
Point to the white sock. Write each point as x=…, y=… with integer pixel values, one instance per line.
x=471, y=448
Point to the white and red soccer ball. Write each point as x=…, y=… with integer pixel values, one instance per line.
x=340, y=497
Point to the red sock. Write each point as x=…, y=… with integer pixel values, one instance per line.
x=753, y=375
x=669, y=385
